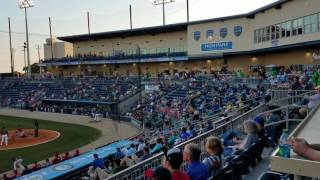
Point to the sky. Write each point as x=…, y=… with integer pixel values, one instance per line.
x=69, y=18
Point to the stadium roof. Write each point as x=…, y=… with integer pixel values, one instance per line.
x=166, y=28
x=125, y=33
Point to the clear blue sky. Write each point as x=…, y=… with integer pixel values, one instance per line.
x=69, y=17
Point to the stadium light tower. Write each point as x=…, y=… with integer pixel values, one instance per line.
x=24, y=4
x=163, y=3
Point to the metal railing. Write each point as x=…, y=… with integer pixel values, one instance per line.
x=286, y=97
x=284, y=93
x=137, y=171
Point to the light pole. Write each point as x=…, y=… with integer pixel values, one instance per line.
x=24, y=4
x=10, y=43
x=163, y=3
x=38, y=49
x=24, y=56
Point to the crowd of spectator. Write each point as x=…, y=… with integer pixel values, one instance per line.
x=20, y=169
x=193, y=100
x=191, y=103
x=72, y=95
x=217, y=154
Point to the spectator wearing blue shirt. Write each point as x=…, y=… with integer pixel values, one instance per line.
x=118, y=154
x=191, y=131
x=215, y=107
x=209, y=127
x=196, y=170
x=184, y=135
x=132, y=150
x=97, y=162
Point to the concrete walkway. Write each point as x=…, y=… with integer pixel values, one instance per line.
x=110, y=130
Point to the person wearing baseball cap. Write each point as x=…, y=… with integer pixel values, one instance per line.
x=172, y=160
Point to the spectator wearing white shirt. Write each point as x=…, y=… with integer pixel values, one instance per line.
x=17, y=164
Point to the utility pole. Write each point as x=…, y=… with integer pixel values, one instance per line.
x=38, y=49
x=88, y=19
x=130, y=12
x=187, y=10
x=24, y=56
x=24, y=4
x=163, y=3
x=13, y=52
x=10, y=43
x=51, y=39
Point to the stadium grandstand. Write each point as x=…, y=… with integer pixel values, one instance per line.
x=227, y=98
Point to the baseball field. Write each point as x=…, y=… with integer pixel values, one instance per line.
x=71, y=137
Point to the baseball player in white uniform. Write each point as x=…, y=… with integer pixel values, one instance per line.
x=4, y=136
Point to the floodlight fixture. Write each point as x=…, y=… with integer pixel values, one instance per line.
x=25, y=3
x=160, y=2
x=163, y=3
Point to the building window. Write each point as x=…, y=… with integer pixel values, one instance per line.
x=158, y=50
x=255, y=36
x=152, y=51
x=288, y=28
x=310, y=24
x=297, y=27
x=223, y=32
x=277, y=31
x=196, y=35
x=273, y=32
x=259, y=35
x=263, y=38
x=210, y=34
x=314, y=19
x=267, y=30
x=304, y=25
x=319, y=22
x=142, y=51
x=283, y=30
x=300, y=26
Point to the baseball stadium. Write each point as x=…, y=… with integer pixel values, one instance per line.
x=233, y=97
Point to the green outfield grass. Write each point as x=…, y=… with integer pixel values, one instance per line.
x=72, y=137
